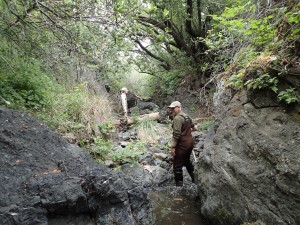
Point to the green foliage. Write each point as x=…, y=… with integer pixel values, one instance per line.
x=242, y=24
x=103, y=150
x=129, y=154
x=171, y=50
x=163, y=83
x=74, y=102
x=203, y=126
x=22, y=80
x=106, y=129
x=261, y=31
x=289, y=96
x=25, y=84
x=236, y=80
x=135, y=111
x=80, y=112
x=241, y=60
x=293, y=17
x=263, y=81
x=245, y=56
x=255, y=28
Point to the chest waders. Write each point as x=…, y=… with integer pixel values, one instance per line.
x=183, y=152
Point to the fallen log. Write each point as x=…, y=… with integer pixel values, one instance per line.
x=153, y=116
x=132, y=120
x=201, y=119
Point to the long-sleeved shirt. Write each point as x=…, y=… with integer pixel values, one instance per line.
x=177, y=124
x=182, y=136
x=124, y=103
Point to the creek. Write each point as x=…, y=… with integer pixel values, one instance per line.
x=176, y=206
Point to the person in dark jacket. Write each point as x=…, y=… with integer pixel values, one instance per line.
x=182, y=142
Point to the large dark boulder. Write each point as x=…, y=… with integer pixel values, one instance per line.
x=250, y=167
x=46, y=180
x=144, y=106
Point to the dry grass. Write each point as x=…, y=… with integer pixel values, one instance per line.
x=96, y=111
x=78, y=114
x=150, y=131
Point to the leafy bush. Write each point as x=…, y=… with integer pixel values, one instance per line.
x=241, y=22
x=163, y=83
x=263, y=81
x=236, y=81
x=289, y=96
x=293, y=18
x=129, y=154
x=75, y=102
x=79, y=112
x=83, y=114
x=106, y=129
x=103, y=150
x=23, y=82
x=262, y=31
x=260, y=66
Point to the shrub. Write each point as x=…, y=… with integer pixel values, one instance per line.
x=106, y=129
x=205, y=125
x=263, y=81
x=289, y=96
x=129, y=154
x=23, y=82
x=101, y=148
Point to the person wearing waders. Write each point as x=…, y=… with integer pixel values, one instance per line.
x=182, y=142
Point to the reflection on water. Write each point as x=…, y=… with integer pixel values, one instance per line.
x=175, y=206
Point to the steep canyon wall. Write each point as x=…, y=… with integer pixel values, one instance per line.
x=249, y=169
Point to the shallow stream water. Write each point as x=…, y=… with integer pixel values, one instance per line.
x=176, y=206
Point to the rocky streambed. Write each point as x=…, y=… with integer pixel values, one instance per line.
x=46, y=180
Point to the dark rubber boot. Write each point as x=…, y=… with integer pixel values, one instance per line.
x=179, y=183
x=192, y=176
x=178, y=179
x=190, y=169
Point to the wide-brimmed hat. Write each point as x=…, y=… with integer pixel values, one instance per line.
x=175, y=104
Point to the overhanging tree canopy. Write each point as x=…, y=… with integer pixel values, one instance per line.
x=160, y=27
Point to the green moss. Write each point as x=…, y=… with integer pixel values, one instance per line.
x=222, y=216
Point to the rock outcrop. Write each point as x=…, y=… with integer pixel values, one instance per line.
x=249, y=169
x=45, y=180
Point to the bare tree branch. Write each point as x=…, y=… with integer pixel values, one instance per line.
x=165, y=64
x=179, y=41
x=19, y=17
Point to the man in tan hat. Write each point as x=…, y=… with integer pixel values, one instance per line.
x=182, y=142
